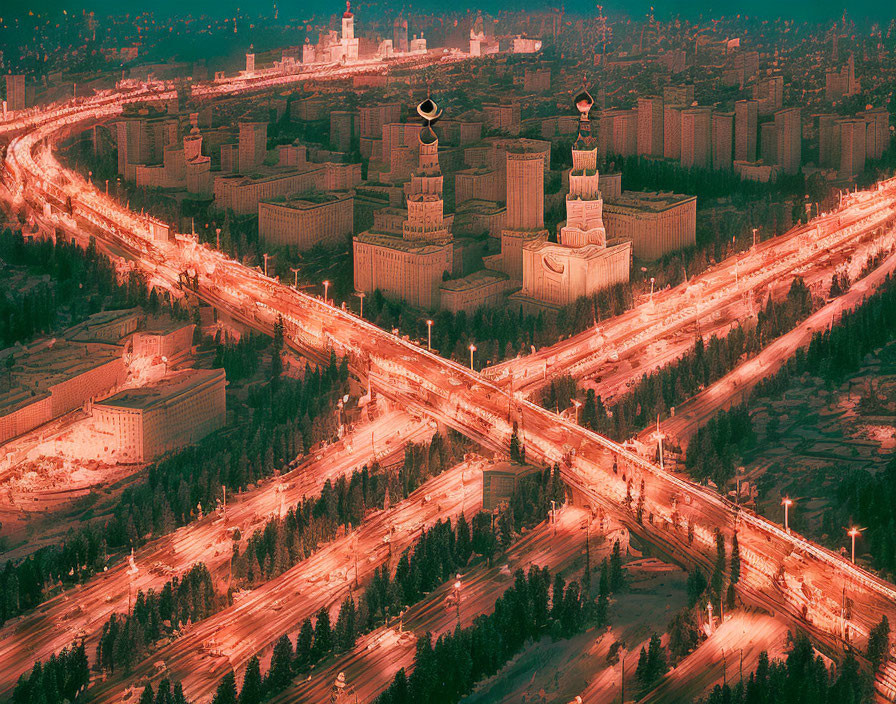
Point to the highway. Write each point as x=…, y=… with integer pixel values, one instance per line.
x=82, y=611
x=782, y=572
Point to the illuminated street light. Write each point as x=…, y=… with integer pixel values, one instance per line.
x=295, y=283
x=652, y=282
x=326, y=288
x=755, y=230
x=787, y=503
x=361, y=294
x=429, y=337
x=266, y=257
x=853, y=532
x=472, y=350
x=457, y=586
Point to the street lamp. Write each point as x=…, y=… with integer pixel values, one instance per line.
x=295, y=283
x=361, y=294
x=266, y=256
x=326, y=288
x=853, y=532
x=429, y=337
x=755, y=230
x=457, y=599
x=652, y=282
x=577, y=404
x=472, y=350
x=787, y=503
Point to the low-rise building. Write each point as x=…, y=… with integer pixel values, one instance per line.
x=304, y=220
x=141, y=424
x=656, y=223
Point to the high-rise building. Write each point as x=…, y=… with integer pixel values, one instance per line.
x=745, y=130
x=768, y=143
x=672, y=132
x=583, y=261
x=696, y=137
x=877, y=137
x=524, y=220
x=408, y=258
x=828, y=141
x=650, y=126
x=769, y=94
x=625, y=132
x=342, y=124
x=253, y=144
x=15, y=92
x=250, y=63
x=400, y=34
x=852, y=147
x=678, y=95
x=349, y=41
x=789, y=135
x=722, y=140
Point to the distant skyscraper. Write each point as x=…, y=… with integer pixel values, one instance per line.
x=722, y=140
x=789, y=133
x=696, y=137
x=15, y=92
x=672, y=132
x=745, y=130
x=852, y=147
x=650, y=126
x=253, y=144
x=768, y=143
x=400, y=34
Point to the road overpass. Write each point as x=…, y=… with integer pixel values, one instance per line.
x=781, y=571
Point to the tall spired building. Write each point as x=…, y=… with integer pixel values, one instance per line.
x=349, y=42
x=582, y=261
x=407, y=254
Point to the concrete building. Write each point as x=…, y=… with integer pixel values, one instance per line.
x=502, y=117
x=672, y=132
x=243, y=193
x=584, y=260
x=789, y=135
x=678, y=95
x=500, y=480
x=143, y=423
x=769, y=94
x=853, y=148
x=342, y=129
x=722, y=140
x=624, y=132
x=841, y=83
x=768, y=143
x=302, y=221
x=656, y=223
x=650, y=126
x=524, y=220
x=696, y=138
x=371, y=120
x=409, y=260
x=53, y=377
x=141, y=141
x=253, y=145
x=746, y=129
x=15, y=92
x=168, y=342
x=400, y=35
x=537, y=80
x=877, y=136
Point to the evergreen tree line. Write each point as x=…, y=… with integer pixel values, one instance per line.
x=801, y=677
x=239, y=359
x=447, y=670
x=342, y=504
x=126, y=638
x=671, y=385
x=431, y=561
x=82, y=282
x=63, y=678
x=166, y=694
x=860, y=497
x=498, y=333
x=282, y=423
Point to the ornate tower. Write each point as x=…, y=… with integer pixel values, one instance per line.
x=584, y=206
x=426, y=221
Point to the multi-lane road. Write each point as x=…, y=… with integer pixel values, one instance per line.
x=782, y=572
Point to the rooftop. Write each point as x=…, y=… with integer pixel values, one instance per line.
x=483, y=277
x=655, y=201
x=307, y=201
x=145, y=397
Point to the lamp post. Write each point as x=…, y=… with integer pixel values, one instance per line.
x=787, y=503
x=326, y=289
x=457, y=586
x=577, y=404
x=295, y=281
x=266, y=264
x=755, y=230
x=652, y=282
x=472, y=350
x=853, y=532
x=361, y=294
x=429, y=337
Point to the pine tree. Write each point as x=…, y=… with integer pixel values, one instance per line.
x=304, y=646
x=879, y=643
x=252, y=690
x=345, y=633
x=323, y=636
x=617, y=578
x=735, y=560
x=226, y=692
x=147, y=696
x=280, y=674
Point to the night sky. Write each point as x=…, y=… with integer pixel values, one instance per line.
x=798, y=9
